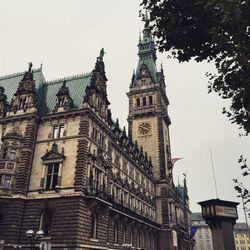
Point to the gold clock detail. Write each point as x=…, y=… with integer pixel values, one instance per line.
x=144, y=128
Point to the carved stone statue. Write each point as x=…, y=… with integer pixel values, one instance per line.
x=102, y=52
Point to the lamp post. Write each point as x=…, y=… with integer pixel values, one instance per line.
x=33, y=237
x=17, y=247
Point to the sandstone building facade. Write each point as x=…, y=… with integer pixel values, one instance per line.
x=67, y=168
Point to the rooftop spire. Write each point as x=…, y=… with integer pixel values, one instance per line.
x=147, y=51
x=146, y=20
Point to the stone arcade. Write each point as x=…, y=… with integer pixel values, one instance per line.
x=67, y=168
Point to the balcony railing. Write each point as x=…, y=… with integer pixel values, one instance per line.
x=118, y=204
x=94, y=192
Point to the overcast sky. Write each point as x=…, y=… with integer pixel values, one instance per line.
x=66, y=37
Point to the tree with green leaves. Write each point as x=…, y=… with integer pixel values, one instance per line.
x=209, y=30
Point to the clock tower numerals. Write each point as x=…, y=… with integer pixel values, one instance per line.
x=144, y=128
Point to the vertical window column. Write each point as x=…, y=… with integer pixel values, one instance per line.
x=51, y=180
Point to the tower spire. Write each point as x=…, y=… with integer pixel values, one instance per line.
x=146, y=52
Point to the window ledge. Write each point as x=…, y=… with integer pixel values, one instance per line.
x=46, y=237
x=116, y=245
x=94, y=240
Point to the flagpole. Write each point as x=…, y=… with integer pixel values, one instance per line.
x=215, y=184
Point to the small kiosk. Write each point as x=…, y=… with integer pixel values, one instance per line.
x=220, y=215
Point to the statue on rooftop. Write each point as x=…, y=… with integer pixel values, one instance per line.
x=102, y=52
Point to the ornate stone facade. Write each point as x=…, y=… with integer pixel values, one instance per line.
x=67, y=168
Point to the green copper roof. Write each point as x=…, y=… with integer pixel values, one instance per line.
x=147, y=54
x=46, y=91
x=76, y=84
x=10, y=83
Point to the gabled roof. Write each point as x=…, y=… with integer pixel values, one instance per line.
x=10, y=83
x=46, y=91
x=53, y=154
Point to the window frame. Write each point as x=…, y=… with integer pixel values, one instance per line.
x=51, y=176
x=58, y=131
x=46, y=216
x=94, y=226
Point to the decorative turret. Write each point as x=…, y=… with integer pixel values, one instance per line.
x=63, y=100
x=3, y=102
x=98, y=76
x=25, y=96
x=96, y=94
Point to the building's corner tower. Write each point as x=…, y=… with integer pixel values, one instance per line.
x=149, y=122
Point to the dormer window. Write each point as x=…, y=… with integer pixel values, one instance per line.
x=61, y=101
x=22, y=102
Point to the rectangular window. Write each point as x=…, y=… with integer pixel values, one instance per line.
x=97, y=179
x=5, y=181
x=52, y=176
x=5, y=153
x=94, y=134
x=12, y=154
x=58, y=131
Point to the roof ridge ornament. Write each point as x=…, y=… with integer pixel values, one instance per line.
x=30, y=66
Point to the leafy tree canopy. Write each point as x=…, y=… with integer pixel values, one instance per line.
x=207, y=30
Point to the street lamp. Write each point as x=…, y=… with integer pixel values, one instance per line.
x=17, y=247
x=33, y=237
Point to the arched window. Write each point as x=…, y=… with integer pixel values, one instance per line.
x=46, y=221
x=150, y=100
x=138, y=102
x=116, y=230
x=94, y=223
x=144, y=101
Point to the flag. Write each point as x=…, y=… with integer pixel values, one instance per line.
x=193, y=231
x=174, y=160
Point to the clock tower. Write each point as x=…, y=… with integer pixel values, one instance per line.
x=148, y=108
x=148, y=124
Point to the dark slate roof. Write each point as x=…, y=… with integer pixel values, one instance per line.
x=46, y=91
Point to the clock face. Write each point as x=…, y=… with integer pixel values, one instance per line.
x=144, y=128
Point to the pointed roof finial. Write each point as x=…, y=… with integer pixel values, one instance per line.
x=139, y=36
x=30, y=66
x=146, y=19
